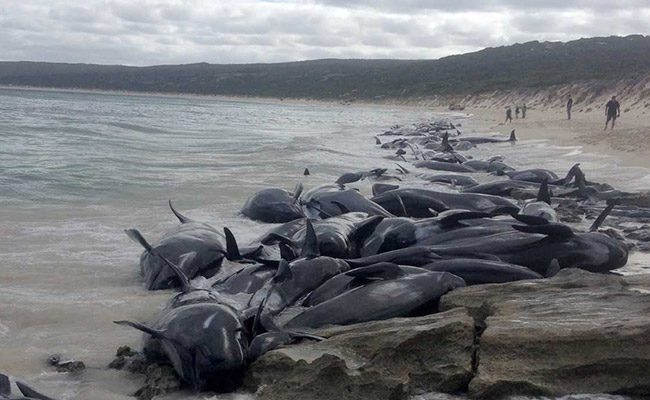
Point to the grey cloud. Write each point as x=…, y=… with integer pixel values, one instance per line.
x=219, y=31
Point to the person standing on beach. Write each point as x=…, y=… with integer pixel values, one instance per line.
x=508, y=115
x=612, y=111
x=517, y=112
x=569, y=105
x=523, y=111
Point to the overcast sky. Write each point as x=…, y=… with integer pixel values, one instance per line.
x=147, y=32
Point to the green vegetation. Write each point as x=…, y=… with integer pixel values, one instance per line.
x=528, y=65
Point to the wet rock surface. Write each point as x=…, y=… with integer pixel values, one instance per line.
x=380, y=360
x=578, y=332
x=159, y=379
x=61, y=364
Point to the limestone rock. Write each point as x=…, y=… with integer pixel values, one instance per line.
x=578, y=332
x=375, y=360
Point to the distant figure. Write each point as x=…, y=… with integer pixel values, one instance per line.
x=612, y=111
x=508, y=115
x=569, y=105
x=517, y=112
x=523, y=111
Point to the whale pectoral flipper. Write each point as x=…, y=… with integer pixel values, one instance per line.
x=297, y=190
x=401, y=204
x=367, y=227
x=137, y=237
x=611, y=203
x=273, y=238
x=402, y=169
x=5, y=385
x=183, y=279
x=341, y=206
x=555, y=231
x=141, y=327
x=455, y=218
x=286, y=252
x=530, y=219
x=553, y=268
x=31, y=393
x=183, y=219
x=384, y=270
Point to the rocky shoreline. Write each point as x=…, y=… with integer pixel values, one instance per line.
x=578, y=332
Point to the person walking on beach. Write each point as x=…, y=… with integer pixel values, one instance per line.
x=523, y=111
x=569, y=105
x=517, y=112
x=508, y=115
x=612, y=111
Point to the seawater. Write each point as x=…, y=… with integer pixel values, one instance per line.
x=78, y=168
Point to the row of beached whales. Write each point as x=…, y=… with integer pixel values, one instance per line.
x=340, y=258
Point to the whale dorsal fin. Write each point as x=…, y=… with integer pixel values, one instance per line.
x=283, y=273
x=232, y=249
x=513, y=137
x=310, y=248
x=178, y=215
x=544, y=194
x=286, y=252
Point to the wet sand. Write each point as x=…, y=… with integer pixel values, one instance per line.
x=628, y=142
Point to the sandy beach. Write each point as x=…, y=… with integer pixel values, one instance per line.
x=629, y=141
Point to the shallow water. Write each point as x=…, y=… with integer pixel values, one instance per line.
x=77, y=168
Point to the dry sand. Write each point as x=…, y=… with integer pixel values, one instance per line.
x=629, y=141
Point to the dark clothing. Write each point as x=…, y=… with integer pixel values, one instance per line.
x=612, y=108
x=569, y=105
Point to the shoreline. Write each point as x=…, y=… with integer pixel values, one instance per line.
x=628, y=143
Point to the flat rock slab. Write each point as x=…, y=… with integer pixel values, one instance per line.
x=578, y=332
x=376, y=360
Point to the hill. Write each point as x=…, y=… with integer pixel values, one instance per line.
x=529, y=65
